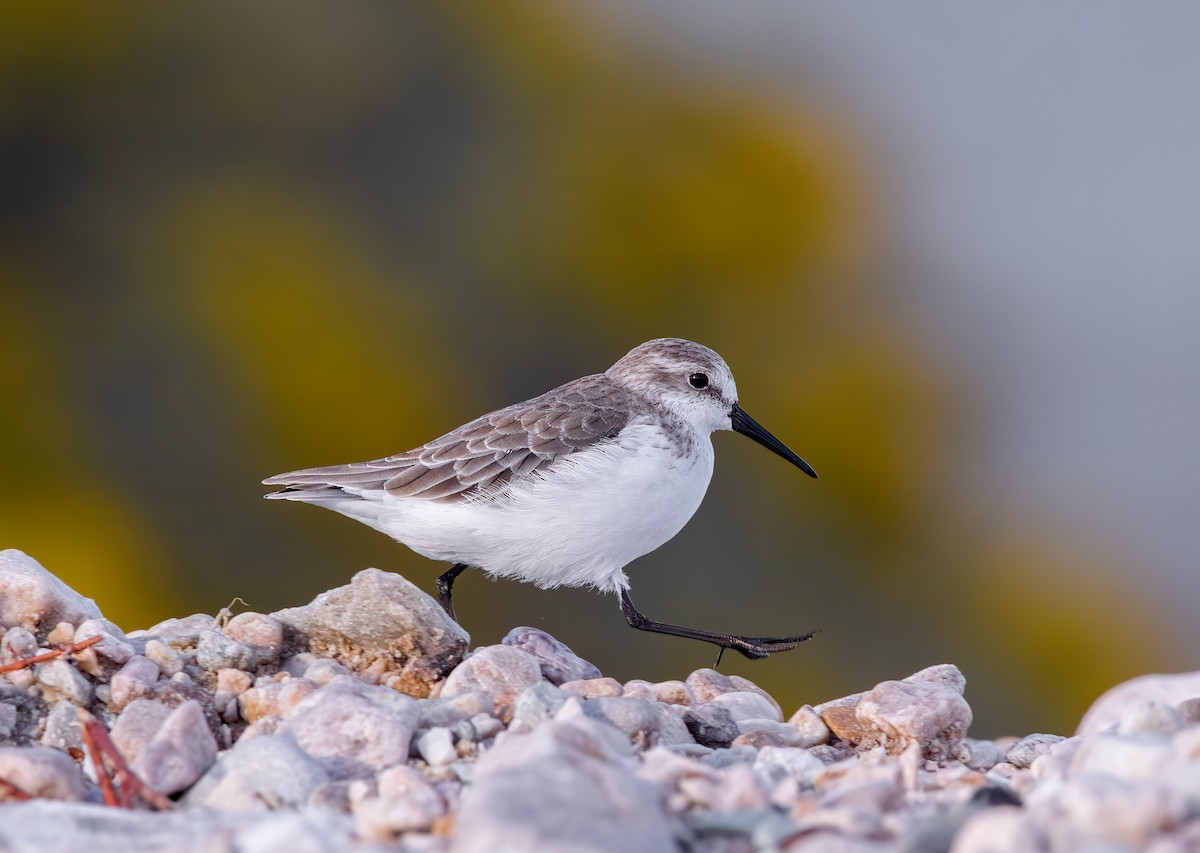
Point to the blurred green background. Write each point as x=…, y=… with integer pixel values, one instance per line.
x=238, y=239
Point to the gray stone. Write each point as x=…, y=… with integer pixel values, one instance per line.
x=1004, y=829
x=34, y=599
x=447, y=711
x=707, y=684
x=18, y=644
x=501, y=672
x=135, y=680
x=1133, y=758
x=560, y=788
x=810, y=725
x=61, y=730
x=383, y=628
x=1147, y=716
x=114, y=645
x=214, y=651
x=1166, y=689
x=1022, y=753
x=436, y=746
x=558, y=662
x=179, y=753
x=168, y=660
x=262, y=633
x=785, y=733
x=60, y=679
x=179, y=633
x=747, y=705
x=646, y=724
x=352, y=728
x=594, y=688
x=931, y=713
x=406, y=803
x=41, y=772
x=536, y=704
x=267, y=772
x=983, y=754
x=137, y=725
x=711, y=725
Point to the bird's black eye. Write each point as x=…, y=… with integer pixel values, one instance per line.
x=698, y=380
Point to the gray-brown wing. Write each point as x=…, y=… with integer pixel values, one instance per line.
x=489, y=453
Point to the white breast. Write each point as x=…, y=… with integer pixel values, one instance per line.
x=579, y=524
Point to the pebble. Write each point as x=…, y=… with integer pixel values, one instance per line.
x=382, y=627
x=60, y=679
x=34, y=599
x=267, y=772
x=293, y=731
x=135, y=680
x=500, y=672
x=353, y=728
x=558, y=662
x=1022, y=753
x=436, y=746
x=930, y=712
x=180, y=751
x=41, y=772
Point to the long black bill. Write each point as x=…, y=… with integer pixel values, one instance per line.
x=746, y=425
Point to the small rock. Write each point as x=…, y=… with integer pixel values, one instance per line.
x=61, y=730
x=758, y=739
x=997, y=830
x=216, y=651
x=785, y=733
x=18, y=644
x=1133, y=758
x=233, y=681
x=1189, y=710
x=447, y=711
x=931, y=713
x=323, y=670
x=262, y=633
x=169, y=661
x=382, y=625
x=811, y=727
x=1023, y=752
x=594, y=688
x=267, y=772
x=706, y=684
x=711, y=725
x=745, y=705
x=114, y=645
x=353, y=728
x=179, y=753
x=983, y=754
x=556, y=788
x=558, y=662
x=501, y=672
x=179, y=633
x=1166, y=689
x=135, y=680
x=59, y=679
x=1146, y=716
x=138, y=724
x=536, y=704
x=799, y=764
x=646, y=724
x=436, y=746
x=841, y=716
x=41, y=772
x=61, y=634
x=34, y=599
x=406, y=803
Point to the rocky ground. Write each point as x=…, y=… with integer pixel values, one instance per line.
x=360, y=722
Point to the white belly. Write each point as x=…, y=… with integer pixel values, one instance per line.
x=578, y=525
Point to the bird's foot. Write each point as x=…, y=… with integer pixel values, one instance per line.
x=757, y=648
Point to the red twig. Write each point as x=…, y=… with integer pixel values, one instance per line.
x=68, y=649
x=104, y=753
x=12, y=792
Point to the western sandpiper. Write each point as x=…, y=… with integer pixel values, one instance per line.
x=565, y=489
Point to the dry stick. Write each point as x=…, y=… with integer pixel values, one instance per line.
x=101, y=746
x=68, y=649
x=8, y=789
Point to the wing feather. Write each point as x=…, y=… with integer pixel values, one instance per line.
x=484, y=457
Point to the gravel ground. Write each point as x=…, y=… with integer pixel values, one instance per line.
x=361, y=722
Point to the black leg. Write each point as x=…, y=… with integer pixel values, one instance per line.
x=751, y=647
x=445, y=587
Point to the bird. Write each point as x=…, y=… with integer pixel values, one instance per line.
x=564, y=489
